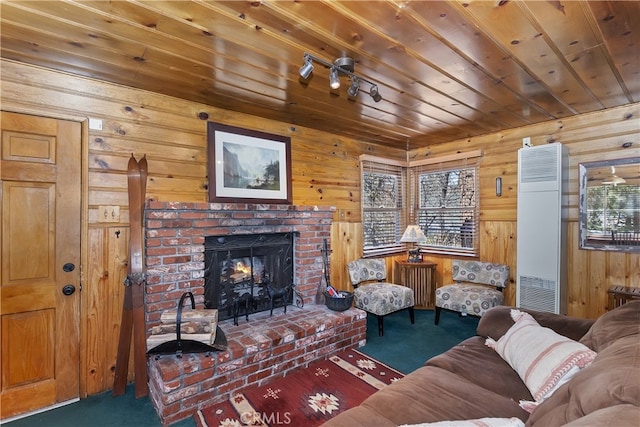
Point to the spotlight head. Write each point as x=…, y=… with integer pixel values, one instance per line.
x=306, y=69
x=375, y=94
x=334, y=80
x=354, y=88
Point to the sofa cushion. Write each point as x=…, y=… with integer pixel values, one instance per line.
x=542, y=358
x=361, y=416
x=468, y=298
x=429, y=394
x=382, y=298
x=497, y=321
x=613, y=416
x=622, y=322
x=475, y=362
x=486, y=273
x=612, y=379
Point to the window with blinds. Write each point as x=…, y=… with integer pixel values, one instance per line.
x=383, y=206
x=447, y=206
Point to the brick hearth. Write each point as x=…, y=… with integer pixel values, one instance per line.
x=263, y=349
x=259, y=351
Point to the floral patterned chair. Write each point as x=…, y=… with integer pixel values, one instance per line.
x=478, y=287
x=373, y=295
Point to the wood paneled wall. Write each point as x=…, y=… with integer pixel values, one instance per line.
x=173, y=136
x=324, y=172
x=589, y=137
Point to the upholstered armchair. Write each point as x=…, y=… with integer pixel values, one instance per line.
x=376, y=296
x=478, y=287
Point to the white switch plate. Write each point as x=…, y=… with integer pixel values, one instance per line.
x=95, y=124
x=526, y=141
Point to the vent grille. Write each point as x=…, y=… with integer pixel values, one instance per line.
x=537, y=294
x=539, y=165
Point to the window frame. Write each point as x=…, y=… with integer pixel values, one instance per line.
x=398, y=169
x=453, y=163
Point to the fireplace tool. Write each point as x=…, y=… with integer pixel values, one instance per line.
x=180, y=346
x=325, y=279
x=297, y=295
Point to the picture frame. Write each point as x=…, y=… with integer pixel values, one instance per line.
x=248, y=166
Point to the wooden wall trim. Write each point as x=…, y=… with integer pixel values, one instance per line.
x=377, y=159
x=446, y=158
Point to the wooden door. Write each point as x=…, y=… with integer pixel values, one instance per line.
x=40, y=259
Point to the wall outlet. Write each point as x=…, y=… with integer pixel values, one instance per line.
x=109, y=214
x=526, y=141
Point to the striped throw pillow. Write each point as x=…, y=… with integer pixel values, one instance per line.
x=543, y=359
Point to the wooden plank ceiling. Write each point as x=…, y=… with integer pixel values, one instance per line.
x=445, y=69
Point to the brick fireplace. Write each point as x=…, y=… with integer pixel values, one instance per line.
x=260, y=350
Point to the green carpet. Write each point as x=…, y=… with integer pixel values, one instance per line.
x=404, y=347
x=101, y=410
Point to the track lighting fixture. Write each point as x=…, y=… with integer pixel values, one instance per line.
x=354, y=88
x=373, y=91
x=334, y=80
x=307, y=68
x=341, y=66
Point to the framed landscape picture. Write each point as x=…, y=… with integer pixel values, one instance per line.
x=248, y=166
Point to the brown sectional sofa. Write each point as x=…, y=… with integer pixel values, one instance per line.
x=471, y=381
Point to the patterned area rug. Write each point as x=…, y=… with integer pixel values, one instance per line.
x=308, y=397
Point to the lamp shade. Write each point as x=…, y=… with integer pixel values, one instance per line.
x=413, y=234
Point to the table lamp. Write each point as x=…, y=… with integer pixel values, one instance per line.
x=413, y=234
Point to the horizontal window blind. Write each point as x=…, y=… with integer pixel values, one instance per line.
x=383, y=206
x=445, y=198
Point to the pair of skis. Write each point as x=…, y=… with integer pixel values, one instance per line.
x=133, y=307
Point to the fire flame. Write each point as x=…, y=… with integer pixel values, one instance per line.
x=240, y=267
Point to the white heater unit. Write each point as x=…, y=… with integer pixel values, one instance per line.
x=542, y=228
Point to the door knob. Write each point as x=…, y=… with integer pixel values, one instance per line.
x=68, y=267
x=68, y=289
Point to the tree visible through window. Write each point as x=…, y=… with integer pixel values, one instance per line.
x=448, y=208
x=383, y=210
x=613, y=208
